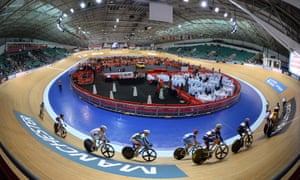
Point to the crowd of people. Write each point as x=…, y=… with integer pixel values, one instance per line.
x=20, y=61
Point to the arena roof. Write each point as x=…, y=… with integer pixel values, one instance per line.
x=128, y=21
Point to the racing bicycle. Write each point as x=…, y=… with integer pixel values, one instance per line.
x=106, y=149
x=180, y=152
x=245, y=141
x=219, y=149
x=60, y=130
x=147, y=152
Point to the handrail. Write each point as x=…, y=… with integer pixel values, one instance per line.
x=24, y=170
x=287, y=168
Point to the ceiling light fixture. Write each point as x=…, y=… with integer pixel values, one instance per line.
x=203, y=4
x=59, y=27
x=234, y=29
x=82, y=5
x=234, y=25
x=59, y=23
x=59, y=20
x=225, y=15
x=217, y=9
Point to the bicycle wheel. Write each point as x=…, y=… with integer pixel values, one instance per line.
x=128, y=152
x=199, y=156
x=221, y=151
x=107, y=150
x=248, y=139
x=179, y=153
x=55, y=126
x=89, y=145
x=269, y=130
x=149, y=154
x=63, y=132
x=265, y=128
x=236, y=146
x=195, y=148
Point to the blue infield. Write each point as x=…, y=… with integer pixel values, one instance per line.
x=166, y=134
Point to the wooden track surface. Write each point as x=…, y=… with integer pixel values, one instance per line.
x=266, y=157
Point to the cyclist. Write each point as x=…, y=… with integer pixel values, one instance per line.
x=268, y=113
x=212, y=135
x=99, y=134
x=283, y=105
x=140, y=139
x=275, y=114
x=61, y=121
x=244, y=126
x=283, y=101
x=277, y=107
x=190, y=139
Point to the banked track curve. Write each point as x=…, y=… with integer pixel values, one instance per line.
x=266, y=157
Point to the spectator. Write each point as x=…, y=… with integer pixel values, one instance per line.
x=41, y=115
x=156, y=90
x=59, y=83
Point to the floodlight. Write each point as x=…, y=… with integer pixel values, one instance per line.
x=203, y=4
x=217, y=9
x=82, y=5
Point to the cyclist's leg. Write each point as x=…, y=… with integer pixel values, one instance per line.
x=137, y=146
x=95, y=137
x=59, y=127
x=206, y=142
x=187, y=145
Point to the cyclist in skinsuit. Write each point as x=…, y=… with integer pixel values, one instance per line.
x=190, y=139
x=212, y=135
x=140, y=139
x=61, y=121
x=99, y=134
x=244, y=126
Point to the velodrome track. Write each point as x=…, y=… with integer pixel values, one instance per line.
x=263, y=160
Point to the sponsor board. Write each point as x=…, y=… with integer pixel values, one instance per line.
x=97, y=162
x=276, y=85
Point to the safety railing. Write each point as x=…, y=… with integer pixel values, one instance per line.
x=23, y=169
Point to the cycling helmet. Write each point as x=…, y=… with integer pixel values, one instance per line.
x=196, y=131
x=103, y=127
x=146, y=131
x=247, y=120
x=219, y=126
